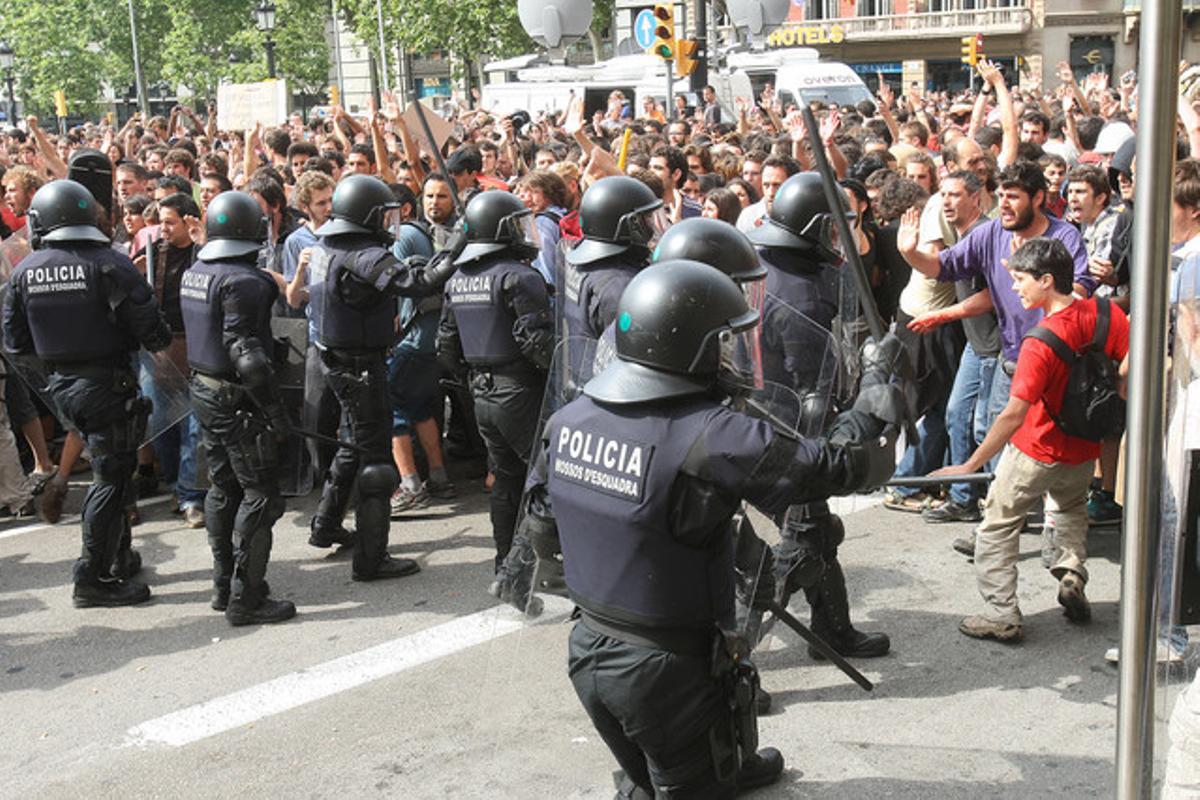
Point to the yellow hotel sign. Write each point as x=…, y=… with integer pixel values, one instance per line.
x=796, y=35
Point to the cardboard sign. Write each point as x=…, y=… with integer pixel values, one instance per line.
x=440, y=128
x=241, y=105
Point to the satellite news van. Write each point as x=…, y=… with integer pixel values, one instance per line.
x=799, y=75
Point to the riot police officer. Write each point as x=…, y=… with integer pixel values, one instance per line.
x=355, y=282
x=619, y=221
x=226, y=302
x=497, y=320
x=83, y=309
x=803, y=271
x=638, y=480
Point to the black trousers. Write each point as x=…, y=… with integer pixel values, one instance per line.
x=665, y=718
x=360, y=384
x=101, y=404
x=507, y=409
x=244, y=501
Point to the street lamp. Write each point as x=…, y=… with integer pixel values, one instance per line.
x=265, y=20
x=6, y=64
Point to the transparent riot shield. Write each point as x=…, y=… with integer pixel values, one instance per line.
x=291, y=343
x=799, y=355
x=1177, y=585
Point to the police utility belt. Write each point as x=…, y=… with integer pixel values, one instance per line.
x=684, y=641
x=519, y=370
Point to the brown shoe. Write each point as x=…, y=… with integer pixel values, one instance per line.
x=1072, y=599
x=978, y=627
x=53, y=495
x=193, y=517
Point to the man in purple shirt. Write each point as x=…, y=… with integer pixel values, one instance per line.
x=985, y=251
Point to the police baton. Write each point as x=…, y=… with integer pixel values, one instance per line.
x=437, y=154
x=926, y=480
x=333, y=440
x=819, y=644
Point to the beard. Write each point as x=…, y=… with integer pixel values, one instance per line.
x=1024, y=220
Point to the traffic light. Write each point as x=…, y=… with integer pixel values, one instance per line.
x=60, y=103
x=972, y=49
x=664, y=31
x=685, y=58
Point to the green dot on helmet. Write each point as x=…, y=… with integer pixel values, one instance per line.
x=83, y=203
x=222, y=218
x=625, y=321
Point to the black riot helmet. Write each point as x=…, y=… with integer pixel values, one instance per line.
x=615, y=214
x=360, y=205
x=676, y=323
x=64, y=211
x=800, y=218
x=94, y=170
x=234, y=226
x=495, y=222
x=713, y=242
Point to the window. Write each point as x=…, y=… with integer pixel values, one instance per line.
x=874, y=8
x=822, y=9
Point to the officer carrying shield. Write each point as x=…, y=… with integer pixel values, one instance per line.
x=638, y=479
x=356, y=283
x=83, y=309
x=619, y=221
x=226, y=302
x=497, y=320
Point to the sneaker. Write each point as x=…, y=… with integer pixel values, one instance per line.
x=1102, y=509
x=978, y=627
x=441, y=491
x=407, y=500
x=193, y=517
x=965, y=545
x=53, y=495
x=1072, y=599
x=952, y=511
x=1164, y=654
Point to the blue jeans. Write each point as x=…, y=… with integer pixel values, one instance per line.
x=927, y=455
x=997, y=400
x=967, y=414
x=176, y=449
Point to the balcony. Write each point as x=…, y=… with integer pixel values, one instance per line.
x=886, y=27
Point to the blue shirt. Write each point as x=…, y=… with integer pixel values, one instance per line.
x=422, y=336
x=550, y=233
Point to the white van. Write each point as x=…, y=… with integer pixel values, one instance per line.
x=799, y=75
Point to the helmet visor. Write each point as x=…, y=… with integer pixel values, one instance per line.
x=523, y=226
x=643, y=226
x=741, y=360
x=755, y=293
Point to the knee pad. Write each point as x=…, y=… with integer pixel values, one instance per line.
x=378, y=479
x=834, y=532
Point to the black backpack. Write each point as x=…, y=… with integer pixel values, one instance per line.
x=1092, y=408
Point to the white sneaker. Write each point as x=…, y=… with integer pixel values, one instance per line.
x=1163, y=654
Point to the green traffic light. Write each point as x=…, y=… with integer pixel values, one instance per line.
x=663, y=51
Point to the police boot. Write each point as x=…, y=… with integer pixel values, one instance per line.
x=127, y=564
x=220, y=595
x=254, y=607
x=325, y=534
x=760, y=769
x=831, y=618
x=388, y=567
x=109, y=593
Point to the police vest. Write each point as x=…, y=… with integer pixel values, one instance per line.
x=589, y=286
x=69, y=304
x=354, y=314
x=202, y=292
x=807, y=286
x=609, y=476
x=485, y=321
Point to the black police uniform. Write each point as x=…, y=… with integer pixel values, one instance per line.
x=496, y=318
x=357, y=329
x=799, y=275
x=226, y=300
x=591, y=291
x=642, y=495
x=84, y=310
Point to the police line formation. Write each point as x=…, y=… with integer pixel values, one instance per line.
x=634, y=499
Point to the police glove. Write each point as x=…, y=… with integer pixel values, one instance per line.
x=278, y=421
x=869, y=444
x=879, y=392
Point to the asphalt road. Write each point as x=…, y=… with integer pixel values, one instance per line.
x=424, y=687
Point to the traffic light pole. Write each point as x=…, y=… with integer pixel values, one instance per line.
x=700, y=36
x=670, y=102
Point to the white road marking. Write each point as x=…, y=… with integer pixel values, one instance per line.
x=71, y=520
x=295, y=689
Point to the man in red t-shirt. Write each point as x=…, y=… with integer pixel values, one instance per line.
x=1043, y=461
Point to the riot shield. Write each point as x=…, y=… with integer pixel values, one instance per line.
x=291, y=342
x=799, y=355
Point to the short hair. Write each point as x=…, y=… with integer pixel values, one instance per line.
x=553, y=187
x=1052, y=160
x=880, y=130
x=1024, y=175
x=434, y=177
x=866, y=108
x=181, y=204
x=1093, y=176
x=333, y=156
x=214, y=162
x=267, y=188
x=136, y=204
x=320, y=164
x=1186, y=189
x=277, y=140
x=404, y=195
x=1042, y=255
x=1089, y=131
x=178, y=155
x=898, y=196
x=988, y=136
x=1029, y=151
x=178, y=183
x=917, y=129
x=970, y=180
x=651, y=180
x=676, y=160
x=137, y=170
x=687, y=129
x=221, y=179
x=1037, y=118
x=366, y=150
x=24, y=177
x=786, y=163
x=302, y=149
x=709, y=181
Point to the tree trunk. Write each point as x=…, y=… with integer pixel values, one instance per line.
x=597, y=46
